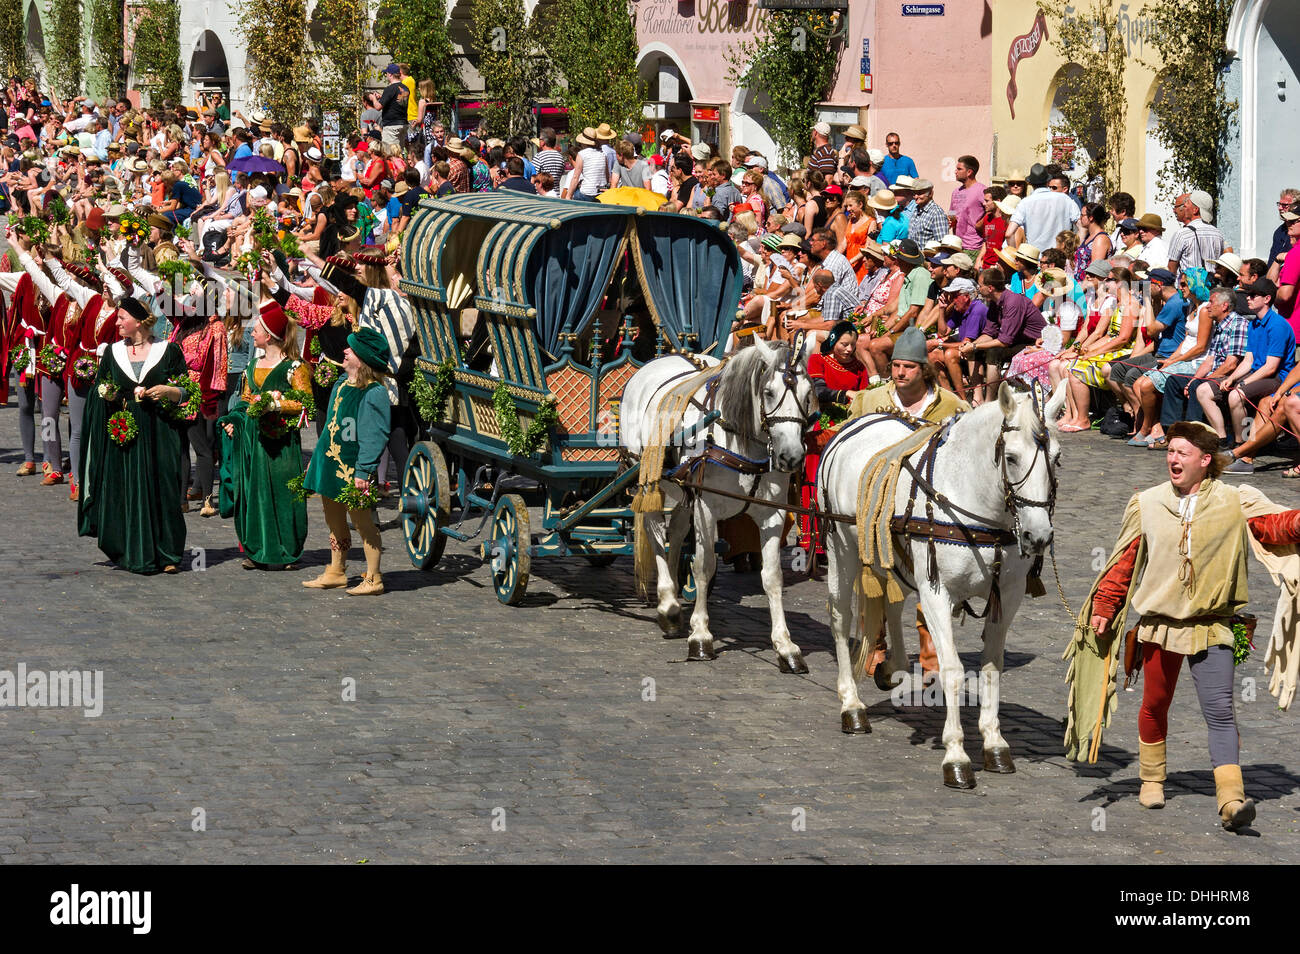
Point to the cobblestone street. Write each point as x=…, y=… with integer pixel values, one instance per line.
x=481, y=732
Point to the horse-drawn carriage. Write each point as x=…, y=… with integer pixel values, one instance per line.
x=533, y=314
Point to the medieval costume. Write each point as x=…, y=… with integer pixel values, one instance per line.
x=128, y=480
x=832, y=379
x=1180, y=566
x=265, y=453
x=356, y=432
x=940, y=405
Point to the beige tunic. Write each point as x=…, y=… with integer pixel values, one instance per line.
x=1217, y=544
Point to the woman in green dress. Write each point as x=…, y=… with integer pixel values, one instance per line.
x=131, y=467
x=346, y=458
x=265, y=446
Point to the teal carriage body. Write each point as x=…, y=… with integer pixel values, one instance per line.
x=551, y=301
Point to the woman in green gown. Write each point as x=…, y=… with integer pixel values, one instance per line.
x=266, y=448
x=128, y=486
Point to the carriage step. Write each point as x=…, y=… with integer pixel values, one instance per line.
x=516, y=483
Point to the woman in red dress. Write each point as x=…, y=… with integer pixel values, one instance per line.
x=837, y=376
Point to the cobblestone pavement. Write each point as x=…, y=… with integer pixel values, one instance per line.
x=224, y=692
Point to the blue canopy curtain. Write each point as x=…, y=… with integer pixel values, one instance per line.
x=568, y=271
x=692, y=272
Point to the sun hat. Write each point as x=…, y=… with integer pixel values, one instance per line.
x=1007, y=254
x=856, y=132
x=792, y=242
x=1037, y=175
x=922, y=185
x=302, y=133
x=586, y=138
x=859, y=182
x=605, y=133
x=951, y=242
x=1098, y=269
x=771, y=241
x=401, y=188
x=1027, y=253
x=874, y=250
x=959, y=285
x=1151, y=222
x=314, y=154
x=756, y=162
x=883, y=200
x=1053, y=281
x=1230, y=261
x=1008, y=205
x=905, y=182
x=701, y=151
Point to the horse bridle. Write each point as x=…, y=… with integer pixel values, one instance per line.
x=1012, y=498
x=790, y=382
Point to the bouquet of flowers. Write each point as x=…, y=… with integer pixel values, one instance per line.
x=35, y=228
x=191, y=398
x=133, y=228
x=249, y=264
x=122, y=428
x=85, y=368
x=58, y=212
x=355, y=499
x=108, y=391
x=90, y=255
x=50, y=361
x=172, y=267
x=326, y=373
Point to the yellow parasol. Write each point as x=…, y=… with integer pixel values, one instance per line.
x=638, y=198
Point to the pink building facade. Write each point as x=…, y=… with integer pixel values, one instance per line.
x=927, y=77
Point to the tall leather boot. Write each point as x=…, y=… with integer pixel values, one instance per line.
x=336, y=574
x=1235, y=809
x=1151, y=770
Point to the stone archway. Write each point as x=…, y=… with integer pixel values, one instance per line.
x=1157, y=196
x=1262, y=33
x=208, y=68
x=34, y=35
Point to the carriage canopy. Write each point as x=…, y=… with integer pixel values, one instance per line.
x=551, y=262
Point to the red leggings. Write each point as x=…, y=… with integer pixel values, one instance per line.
x=1212, y=673
x=1159, y=677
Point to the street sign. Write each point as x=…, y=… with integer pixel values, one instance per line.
x=803, y=4
x=923, y=9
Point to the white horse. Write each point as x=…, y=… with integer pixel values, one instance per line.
x=767, y=402
x=994, y=471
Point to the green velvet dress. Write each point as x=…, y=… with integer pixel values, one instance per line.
x=131, y=495
x=270, y=523
x=355, y=434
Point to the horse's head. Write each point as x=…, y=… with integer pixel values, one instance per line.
x=767, y=397
x=1029, y=454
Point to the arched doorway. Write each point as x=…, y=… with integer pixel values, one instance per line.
x=1074, y=149
x=35, y=40
x=1262, y=33
x=208, y=72
x=668, y=88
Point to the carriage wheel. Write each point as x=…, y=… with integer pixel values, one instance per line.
x=510, y=559
x=426, y=504
x=600, y=560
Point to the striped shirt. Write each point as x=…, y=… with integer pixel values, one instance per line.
x=550, y=161
x=1195, y=244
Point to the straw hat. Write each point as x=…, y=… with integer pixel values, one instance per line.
x=905, y=182
x=302, y=133
x=604, y=133
x=791, y=242
x=586, y=138
x=1016, y=175
x=1058, y=279
x=1008, y=205
x=874, y=250
x=961, y=261
x=951, y=242
x=883, y=200
x=1027, y=253
x=457, y=146
x=856, y=132
x=1229, y=261
x=1152, y=221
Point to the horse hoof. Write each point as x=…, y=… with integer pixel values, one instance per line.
x=854, y=722
x=882, y=679
x=999, y=761
x=698, y=652
x=793, y=664
x=958, y=775
x=670, y=623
